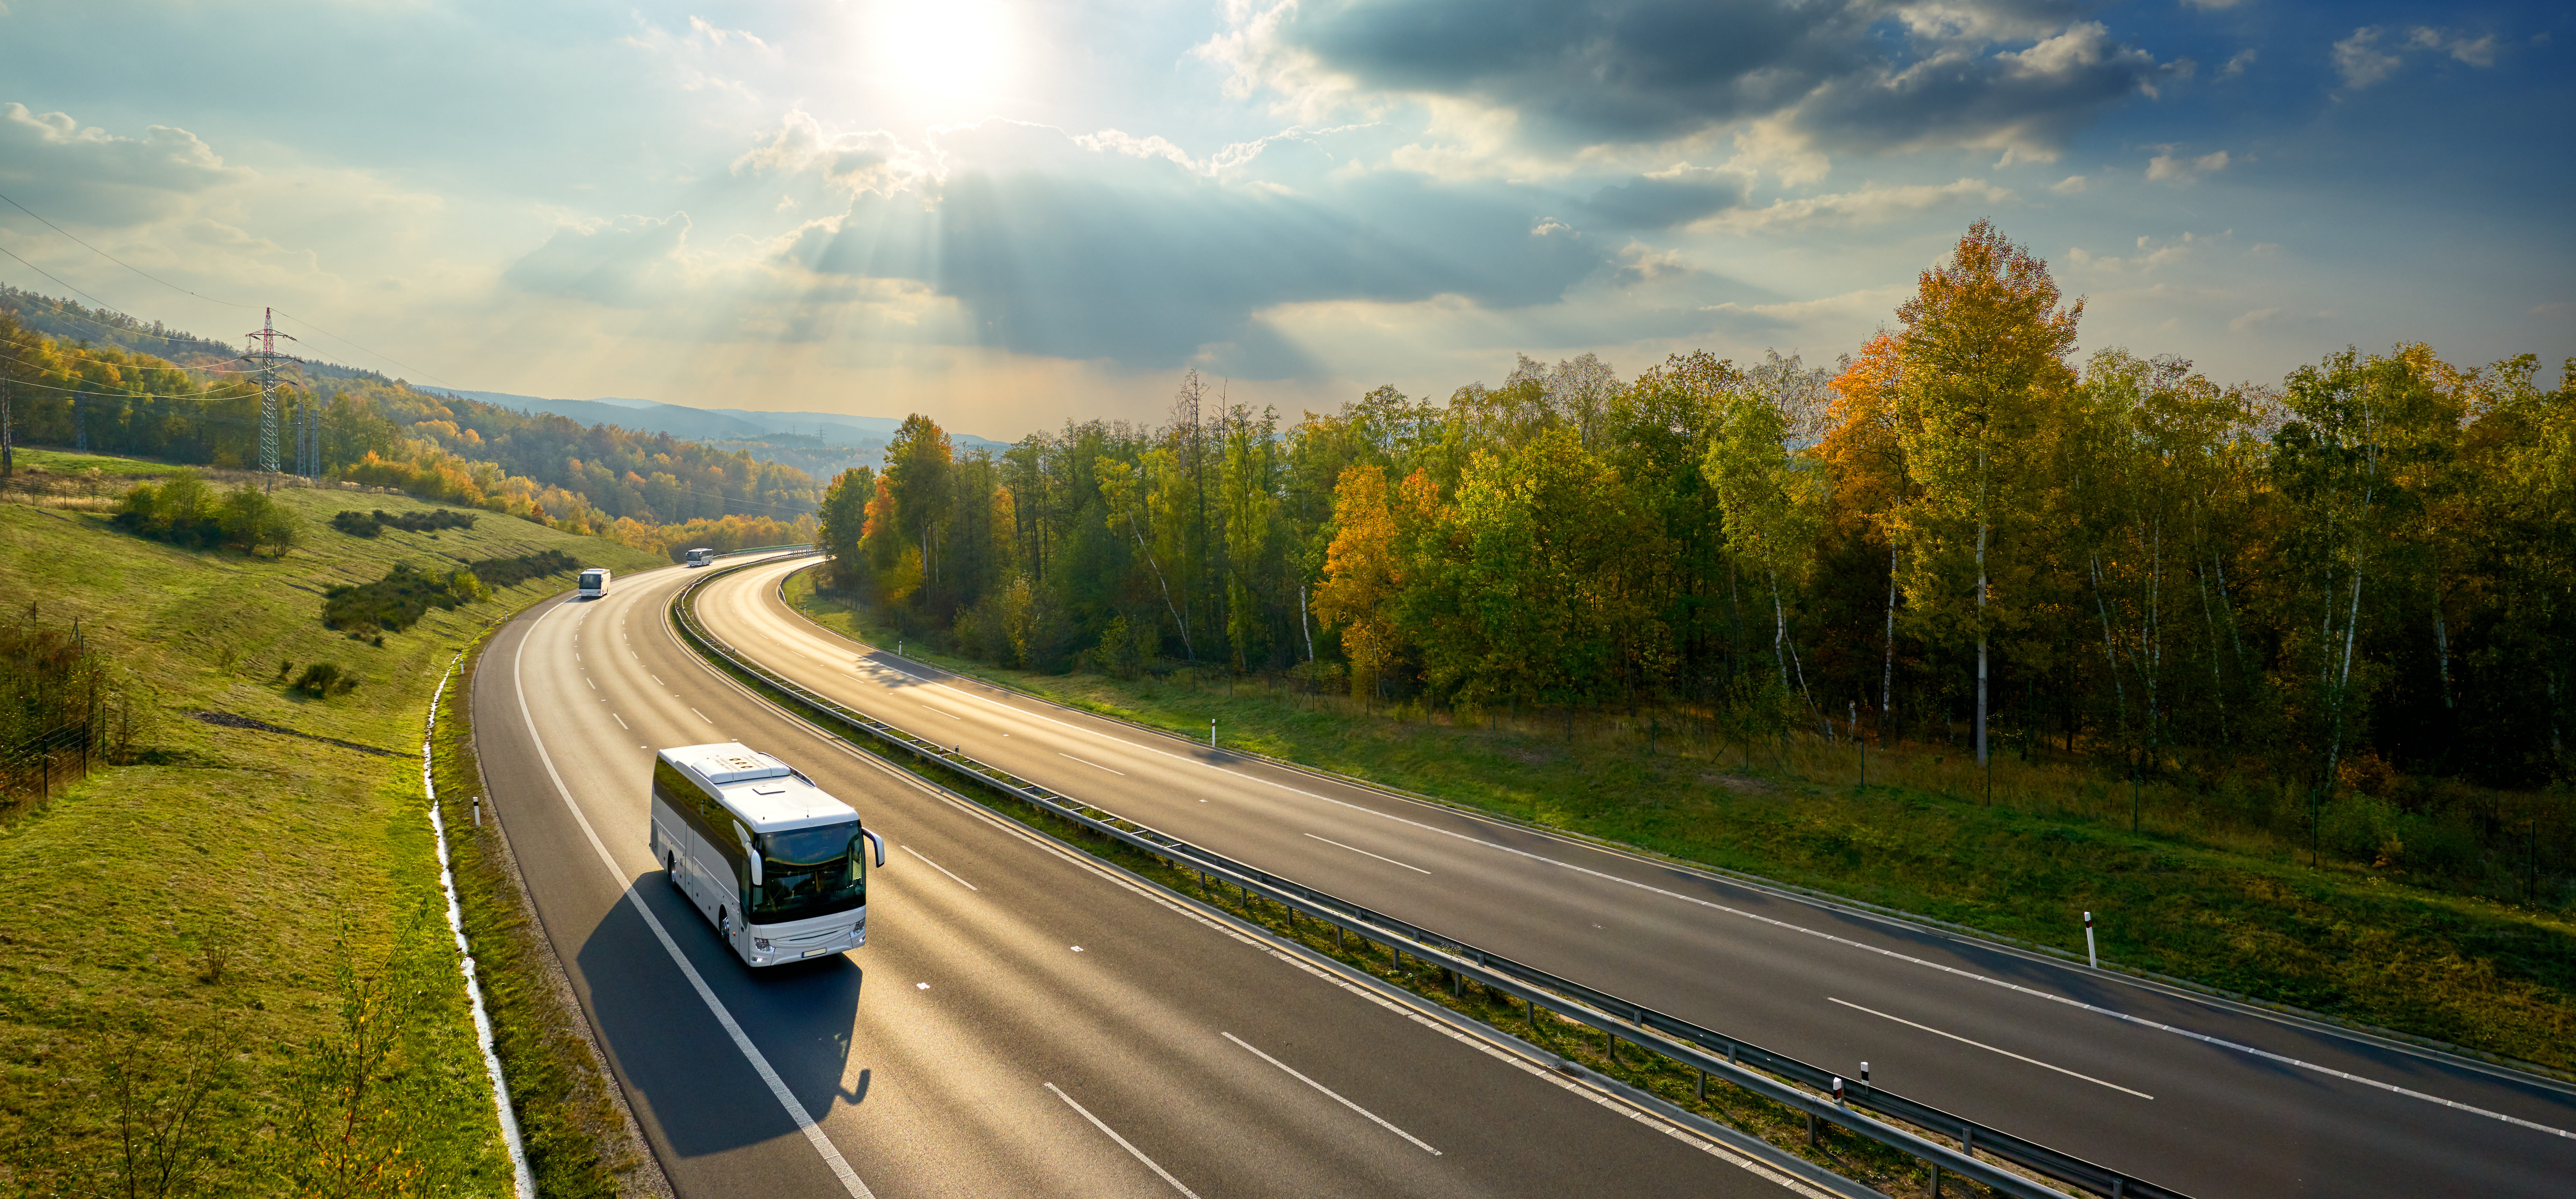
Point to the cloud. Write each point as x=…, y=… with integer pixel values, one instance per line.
x=604, y=262
x=2252, y=320
x=2070, y=185
x=86, y=175
x=1086, y=248
x=870, y=160
x=1866, y=206
x=2165, y=168
x=1666, y=198
x=1843, y=74
x=2371, y=55
x=2237, y=64
x=2150, y=253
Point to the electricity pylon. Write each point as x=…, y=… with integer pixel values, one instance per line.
x=267, y=358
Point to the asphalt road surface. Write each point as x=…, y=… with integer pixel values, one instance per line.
x=1022, y=1021
x=2209, y=1098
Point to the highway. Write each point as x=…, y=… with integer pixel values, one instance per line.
x=1023, y=1020
x=2213, y=1099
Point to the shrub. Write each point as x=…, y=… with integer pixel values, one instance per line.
x=398, y=600
x=505, y=572
x=368, y=524
x=182, y=510
x=251, y=519
x=325, y=678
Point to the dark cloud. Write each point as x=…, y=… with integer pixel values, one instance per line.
x=1144, y=262
x=606, y=263
x=1848, y=73
x=1665, y=199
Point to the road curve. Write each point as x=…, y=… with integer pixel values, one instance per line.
x=2209, y=1098
x=1023, y=1020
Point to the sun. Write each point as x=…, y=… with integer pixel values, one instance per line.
x=946, y=48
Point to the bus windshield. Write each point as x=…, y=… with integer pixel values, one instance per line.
x=810, y=872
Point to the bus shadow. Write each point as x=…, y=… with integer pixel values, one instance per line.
x=701, y=1093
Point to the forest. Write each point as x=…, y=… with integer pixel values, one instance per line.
x=1960, y=534
x=376, y=431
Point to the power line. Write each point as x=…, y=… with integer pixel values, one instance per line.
x=50, y=275
x=209, y=299
x=63, y=308
x=113, y=258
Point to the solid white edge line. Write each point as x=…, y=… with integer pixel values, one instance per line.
x=1094, y=765
x=831, y=1154
x=2141, y=1021
x=936, y=866
x=1982, y=1045
x=1360, y=986
x=1330, y=1093
x=1366, y=854
x=522, y=1177
x=1139, y=1154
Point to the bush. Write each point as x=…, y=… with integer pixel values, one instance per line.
x=325, y=678
x=505, y=572
x=398, y=600
x=182, y=510
x=368, y=524
x=251, y=519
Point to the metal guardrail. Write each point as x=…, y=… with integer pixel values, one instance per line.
x=1776, y=1076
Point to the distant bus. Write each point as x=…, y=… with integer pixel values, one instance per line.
x=773, y=861
x=594, y=583
x=701, y=557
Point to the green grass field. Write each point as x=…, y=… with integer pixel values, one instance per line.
x=2196, y=901
x=245, y=921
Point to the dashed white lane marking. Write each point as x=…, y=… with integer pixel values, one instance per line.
x=1094, y=765
x=1133, y=1151
x=1988, y=1048
x=703, y=716
x=950, y=715
x=1606, y=876
x=830, y=1153
x=1366, y=854
x=621, y=721
x=942, y=869
x=1335, y=1096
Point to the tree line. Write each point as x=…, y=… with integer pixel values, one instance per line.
x=1960, y=533
x=597, y=479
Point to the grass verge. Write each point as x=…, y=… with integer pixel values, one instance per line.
x=579, y=1139
x=225, y=968
x=2173, y=898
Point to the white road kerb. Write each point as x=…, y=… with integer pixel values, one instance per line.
x=524, y=1179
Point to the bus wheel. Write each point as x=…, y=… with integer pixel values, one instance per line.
x=671, y=863
x=724, y=923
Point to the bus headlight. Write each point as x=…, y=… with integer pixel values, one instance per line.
x=760, y=942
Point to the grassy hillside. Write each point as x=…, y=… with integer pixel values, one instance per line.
x=238, y=937
x=2189, y=894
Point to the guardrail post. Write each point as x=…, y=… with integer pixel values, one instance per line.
x=1700, y=1090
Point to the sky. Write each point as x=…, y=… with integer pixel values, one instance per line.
x=1008, y=214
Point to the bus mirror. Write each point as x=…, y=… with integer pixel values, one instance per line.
x=879, y=843
x=749, y=852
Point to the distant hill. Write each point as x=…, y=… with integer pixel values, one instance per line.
x=818, y=442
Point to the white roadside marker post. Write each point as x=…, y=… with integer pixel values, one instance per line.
x=1211, y=734
x=2090, y=957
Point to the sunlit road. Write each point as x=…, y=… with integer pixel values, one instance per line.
x=2211, y=1099
x=1022, y=1021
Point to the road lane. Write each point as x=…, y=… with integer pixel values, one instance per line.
x=1764, y=964
x=925, y=1059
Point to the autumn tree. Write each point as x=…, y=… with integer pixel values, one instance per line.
x=1983, y=362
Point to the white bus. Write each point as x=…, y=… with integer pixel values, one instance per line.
x=774, y=862
x=594, y=583
x=701, y=557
